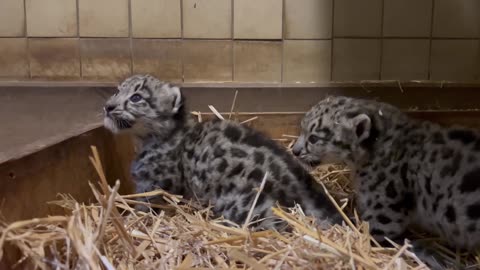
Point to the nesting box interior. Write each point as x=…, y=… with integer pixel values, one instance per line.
x=263, y=63
x=53, y=163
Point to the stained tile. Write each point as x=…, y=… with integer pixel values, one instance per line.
x=455, y=60
x=55, y=58
x=258, y=19
x=160, y=58
x=356, y=59
x=207, y=19
x=13, y=59
x=354, y=18
x=306, y=60
x=407, y=18
x=156, y=18
x=107, y=58
x=205, y=61
x=405, y=59
x=106, y=18
x=51, y=18
x=12, y=18
x=308, y=19
x=456, y=18
x=257, y=61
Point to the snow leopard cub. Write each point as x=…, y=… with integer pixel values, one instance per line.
x=217, y=162
x=407, y=172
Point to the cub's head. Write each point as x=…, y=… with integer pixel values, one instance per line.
x=337, y=129
x=143, y=105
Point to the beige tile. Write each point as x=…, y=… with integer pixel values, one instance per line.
x=407, y=18
x=160, y=58
x=356, y=59
x=308, y=19
x=207, y=19
x=306, y=60
x=54, y=58
x=51, y=18
x=207, y=61
x=105, y=18
x=258, y=19
x=13, y=59
x=12, y=18
x=405, y=59
x=156, y=18
x=456, y=18
x=107, y=58
x=257, y=61
x=455, y=60
x=354, y=18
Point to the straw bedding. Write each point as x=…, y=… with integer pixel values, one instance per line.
x=110, y=234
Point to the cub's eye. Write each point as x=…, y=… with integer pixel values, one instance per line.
x=313, y=139
x=135, y=98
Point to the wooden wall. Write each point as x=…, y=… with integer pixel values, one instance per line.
x=30, y=182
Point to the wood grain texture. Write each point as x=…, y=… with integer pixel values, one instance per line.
x=29, y=183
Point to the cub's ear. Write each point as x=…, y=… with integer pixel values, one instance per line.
x=362, y=125
x=177, y=102
x=139, y=85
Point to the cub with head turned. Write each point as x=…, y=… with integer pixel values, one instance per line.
x=220, y=162
x=406, y=172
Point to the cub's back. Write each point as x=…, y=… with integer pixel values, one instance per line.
x=227, y=161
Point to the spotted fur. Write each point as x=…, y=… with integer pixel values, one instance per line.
x=407, y=172
x=217, y=162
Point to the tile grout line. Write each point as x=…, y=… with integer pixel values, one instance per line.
x=259, y=40
x=396, y=37
x=182, y=41
x=282, y=62
x=332, y=40
x=130, y=35
x=262, y=40
x=380, y=71
x=27, y=39
x=432, y=21
x=78, y=38
x=232, y=29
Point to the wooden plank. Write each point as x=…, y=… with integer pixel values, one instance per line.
x=272, y=97
x=277, y=124
x=36, y=116
x=119, y=153
x=27, y=184
x=302, y=98
x=338, y=84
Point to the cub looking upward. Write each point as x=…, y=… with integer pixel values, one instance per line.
x=220, y=162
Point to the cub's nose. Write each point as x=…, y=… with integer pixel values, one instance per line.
x=109, y=108
x=296, y=151
x=298, y=146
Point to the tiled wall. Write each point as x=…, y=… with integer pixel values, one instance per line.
x=241, y=40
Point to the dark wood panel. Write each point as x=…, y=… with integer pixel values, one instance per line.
x=302, y=99
x=36, y=116
x=27, y=184
x=285, y=98
x=277, y=124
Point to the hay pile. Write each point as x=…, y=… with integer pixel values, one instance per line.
x=112, y=235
